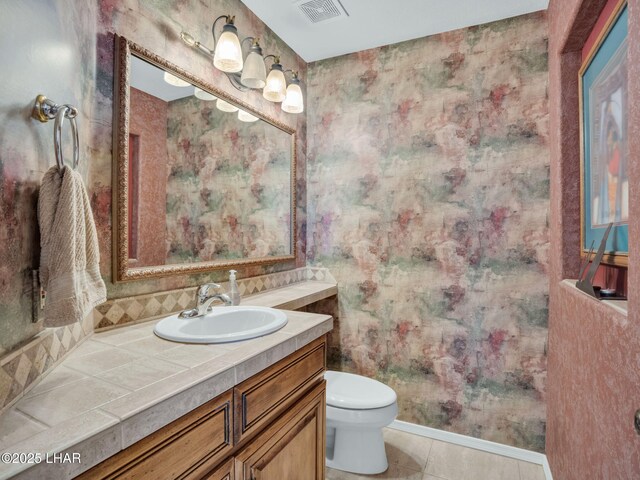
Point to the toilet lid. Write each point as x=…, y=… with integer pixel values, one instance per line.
x=345, y=390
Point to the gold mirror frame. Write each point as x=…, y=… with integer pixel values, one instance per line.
x=121, y=270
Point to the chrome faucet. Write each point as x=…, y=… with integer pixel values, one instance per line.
x=204, y=301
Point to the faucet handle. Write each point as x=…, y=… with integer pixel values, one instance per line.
x=203, y=290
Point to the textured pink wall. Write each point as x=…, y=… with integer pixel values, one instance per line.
x=593, y=381
x=149, y=122
x=634, y=168
x=592, y=391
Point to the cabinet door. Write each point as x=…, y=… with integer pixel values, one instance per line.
x=224, y=472
x=292, y=448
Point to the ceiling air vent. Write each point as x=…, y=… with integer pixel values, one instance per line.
x=317, y=11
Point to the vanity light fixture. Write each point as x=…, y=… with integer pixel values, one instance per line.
x=225, y=106
x=246, y=116
x=293, y=101
x=247, y=73
x=203, y=95
x=175, y=81
x=227, y=54
x=254, y=74
x=276, y=88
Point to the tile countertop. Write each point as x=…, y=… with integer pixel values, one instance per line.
x=121, y=385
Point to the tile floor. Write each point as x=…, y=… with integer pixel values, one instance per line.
x=413, y=457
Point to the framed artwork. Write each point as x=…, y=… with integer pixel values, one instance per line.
x=604, y=184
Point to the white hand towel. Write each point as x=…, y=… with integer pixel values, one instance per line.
x=70, y=257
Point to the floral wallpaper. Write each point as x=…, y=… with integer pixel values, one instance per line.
x=428, y=198
x=228, y=187
x=62, y=67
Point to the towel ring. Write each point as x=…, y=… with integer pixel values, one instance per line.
x=45, y=110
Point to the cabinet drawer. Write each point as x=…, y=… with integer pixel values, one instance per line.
x=293, y=447
x=266, y=395
x=186, y=448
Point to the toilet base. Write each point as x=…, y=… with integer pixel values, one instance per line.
x=359, y=451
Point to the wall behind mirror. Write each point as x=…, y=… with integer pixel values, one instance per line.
x=205, y=185
x=76, y=65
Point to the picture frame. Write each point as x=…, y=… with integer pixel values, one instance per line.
x=604, y=178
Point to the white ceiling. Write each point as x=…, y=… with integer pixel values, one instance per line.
x=373, y=23
x=149, y=78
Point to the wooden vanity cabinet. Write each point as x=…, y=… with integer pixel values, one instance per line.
x=292, y=448
x=271, y=426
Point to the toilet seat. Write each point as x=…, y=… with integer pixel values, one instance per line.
x=354, y=392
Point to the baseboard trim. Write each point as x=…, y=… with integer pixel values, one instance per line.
x=476, y=443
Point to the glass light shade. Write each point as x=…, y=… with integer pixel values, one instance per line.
x=225, y=106
x=246, y=116
x=202, y=95
x=254, y=73
x=175, y=81
x=228, y=54
x=293, y=102
x=276, y=88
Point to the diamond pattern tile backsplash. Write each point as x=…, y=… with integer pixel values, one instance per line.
x=121, y=311
x=20, y=369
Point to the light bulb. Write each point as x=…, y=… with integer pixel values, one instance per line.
x=254, y=73
x=228, y=54
x=293, y=102
x=275, y=89
x=246, y=116
x=225, y=106
x=202, y=95
x=175, y=81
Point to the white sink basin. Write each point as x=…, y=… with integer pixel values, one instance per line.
x=222, y=324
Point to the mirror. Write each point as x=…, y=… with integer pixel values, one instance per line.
x=202, y=181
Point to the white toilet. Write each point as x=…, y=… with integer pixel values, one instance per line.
x=358, y=408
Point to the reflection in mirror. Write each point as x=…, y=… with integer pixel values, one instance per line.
x=207, y=181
